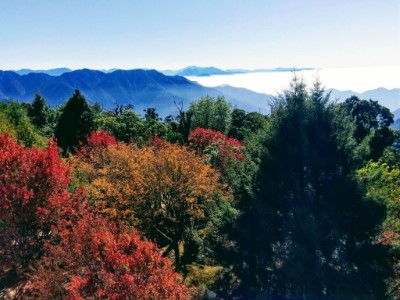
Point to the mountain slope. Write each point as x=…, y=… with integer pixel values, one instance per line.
x=142, y=88
x=148, y=88
x=241, y=97
x=385, y=97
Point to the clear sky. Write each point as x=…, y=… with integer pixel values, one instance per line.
x=171, y=34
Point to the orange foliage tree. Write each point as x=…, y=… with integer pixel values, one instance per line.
x=163, y=189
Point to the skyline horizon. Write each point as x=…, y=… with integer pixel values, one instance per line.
x=197, y=66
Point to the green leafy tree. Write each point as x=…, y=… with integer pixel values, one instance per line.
x=372, y=122
x=244, y=124
x=173, y=135
x=5, y=126
x=211, y=113
x=25, y=132
x=75, y=123
x=151, y=114
x=152, y=125
x=382, y=184
x=122, y=123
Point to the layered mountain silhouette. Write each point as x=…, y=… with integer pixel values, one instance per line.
x=53, y=72
x=389, y=98
x=148, y=88
x=197, y=71
x=209, y=71
x=142, y=88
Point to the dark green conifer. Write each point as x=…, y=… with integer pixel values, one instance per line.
x=75, y=123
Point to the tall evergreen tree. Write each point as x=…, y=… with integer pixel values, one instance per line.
x=38, y=111
x=308, y=228
x=75, y=123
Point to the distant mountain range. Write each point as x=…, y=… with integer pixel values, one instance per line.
x=149, y=88
x=209, y=71
x=197, y=71
x=52, y=72
x=188, y=71
x=142, y=88
x=385, y=97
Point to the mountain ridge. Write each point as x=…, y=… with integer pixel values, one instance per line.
x=142, y=88
x=149, y=88
x=209, y=71
x=389, y=98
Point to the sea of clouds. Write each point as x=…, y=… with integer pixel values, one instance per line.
x=356, y=79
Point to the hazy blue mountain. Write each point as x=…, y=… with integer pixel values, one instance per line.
x=196, y=71
x=280, y=69
x=396, y=117
x=142, y=88
x=209, y=71
x=52, y=72
x=385, y=97
x=396, y=113
x=242, y=97
x=396, y=124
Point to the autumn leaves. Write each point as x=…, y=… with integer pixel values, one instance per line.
x=163, y=189
x=70, y=229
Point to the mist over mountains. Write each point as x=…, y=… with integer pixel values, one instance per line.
x=210, y=71
x=151, y=88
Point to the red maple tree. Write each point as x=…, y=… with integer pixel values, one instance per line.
x=33, y=185
x=100, y=259
x=206, y=140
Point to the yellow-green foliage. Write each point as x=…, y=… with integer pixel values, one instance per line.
x=6, y=127
x=383, y=184
x=202, y=276
x=15, y=120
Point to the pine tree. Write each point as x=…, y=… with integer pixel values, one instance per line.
x=311, y=225
x=75, y=123
x=38, y=111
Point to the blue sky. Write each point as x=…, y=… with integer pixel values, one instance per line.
x=171, y=34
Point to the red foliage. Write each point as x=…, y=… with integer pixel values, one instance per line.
x=33, y=184
x=156, y=142
x=200, y=139
x=71, y=252
x=96, y=140
x=99, y=259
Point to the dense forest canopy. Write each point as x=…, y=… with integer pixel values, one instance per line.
x=214, y=202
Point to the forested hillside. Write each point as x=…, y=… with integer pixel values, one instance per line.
x=213, y=203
